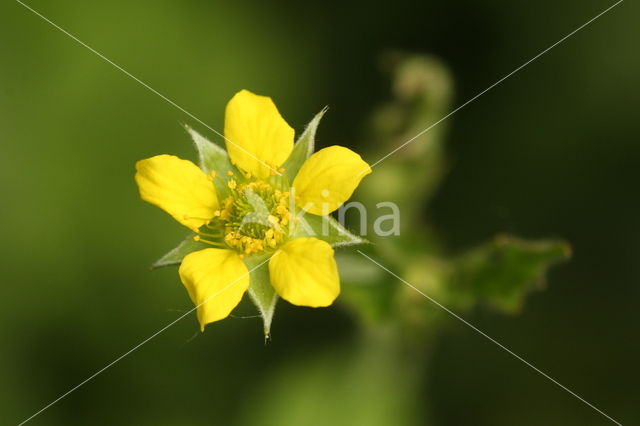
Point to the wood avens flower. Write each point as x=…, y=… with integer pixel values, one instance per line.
x=259, y=214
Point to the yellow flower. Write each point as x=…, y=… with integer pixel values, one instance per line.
x=251, y=210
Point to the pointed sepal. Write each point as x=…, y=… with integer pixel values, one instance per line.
x=175, y=256
x=212, y=157
x=260, y=290
x=328, y=229
x=303, y=147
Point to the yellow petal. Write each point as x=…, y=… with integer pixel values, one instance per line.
x=216, y=279
x=304, y=272
x=258, y=138
x=178, y=187
x=328, y=178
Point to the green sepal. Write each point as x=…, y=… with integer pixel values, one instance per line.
x=260, y=289
x=326, y=228
x=175, y=256
x=303, y=148
x=503, y=271
x=212, y=157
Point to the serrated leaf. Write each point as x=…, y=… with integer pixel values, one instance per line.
x=175, y=256
x=327, y=229
x=260, y=290
x=212, y=157
x=502, y=272
x=303, y=148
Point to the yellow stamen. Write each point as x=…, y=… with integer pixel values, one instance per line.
x=209, y=235
x=213, y=243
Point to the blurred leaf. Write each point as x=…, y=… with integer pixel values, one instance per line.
x=364, y=287
x=328, y=229
x=422, y=89
x=303, y=148
x=502, y=272
x=261, y=291
x=175, y=256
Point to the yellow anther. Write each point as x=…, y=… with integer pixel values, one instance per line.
x=281, y=169
x=196, y=238
x=228, y=228
x=229, y=173
x=212, y=173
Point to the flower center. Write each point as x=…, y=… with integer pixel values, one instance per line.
x=254, y=218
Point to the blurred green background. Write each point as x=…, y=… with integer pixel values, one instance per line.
x=551, y=152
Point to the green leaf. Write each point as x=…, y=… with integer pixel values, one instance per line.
x=260, y=289
x=212, y=157
x=175, y=256
x=326, y=228
x=303, y=148
x=502, y=272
